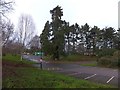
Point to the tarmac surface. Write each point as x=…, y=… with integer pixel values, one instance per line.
x=94, y=74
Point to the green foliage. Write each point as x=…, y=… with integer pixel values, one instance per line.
x=93, y=64
x=59, y=38
x=110, y=61
x=116, y=54
x=16, y=59
x=44, y=39
x=105, y=52
x=47, y=57
x=11, y=57
x=52, y=37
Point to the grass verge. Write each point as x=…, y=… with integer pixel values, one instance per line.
x=92, y=64
x=23, y=76
x=35, y=78
x=16, y=59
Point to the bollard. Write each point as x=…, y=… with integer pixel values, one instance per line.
x=41, y=65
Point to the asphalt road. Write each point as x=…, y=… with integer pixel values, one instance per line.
x=94, y=74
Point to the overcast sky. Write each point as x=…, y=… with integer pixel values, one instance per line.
x=94, y=12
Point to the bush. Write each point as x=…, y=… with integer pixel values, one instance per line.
x=104, y=61
x=106, y=52
x=119, y=63
x=116, y=54
x=110, y=61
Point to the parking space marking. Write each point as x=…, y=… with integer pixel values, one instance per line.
x=58, y=68
x=74, y=73
x=53, y=68
x=110, y=79
x=48, y=69
x=90, y=76
x=115, y=70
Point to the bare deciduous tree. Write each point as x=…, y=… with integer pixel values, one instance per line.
x=35, y=41
x=7, y=29
x=5, y=6
x=26, y=29
x=35, y=44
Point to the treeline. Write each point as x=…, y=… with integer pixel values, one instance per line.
x=60, y=38
x=19, y=40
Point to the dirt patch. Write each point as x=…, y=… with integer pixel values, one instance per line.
x=9, y=68
x=13, y=64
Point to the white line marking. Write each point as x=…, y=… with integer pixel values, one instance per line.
x=90, y=76
x=110, y=79
x=114, y=70
x=75, y=73
x=58, y=68
x=52, y=68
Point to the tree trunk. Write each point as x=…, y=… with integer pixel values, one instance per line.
x=68, y=47
x=94, y=46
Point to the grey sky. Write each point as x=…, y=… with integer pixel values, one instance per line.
x=94, y=12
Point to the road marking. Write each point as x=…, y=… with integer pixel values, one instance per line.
x=90, y=76
x=110, y=79
x=58, y=68
x=74, y=73
x=114, y=70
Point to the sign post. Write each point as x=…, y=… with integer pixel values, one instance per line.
x=41, y=63
x=40, y=60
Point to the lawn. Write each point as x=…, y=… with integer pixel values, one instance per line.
x=92, y=64
x=17, y=75
x=15, y=59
